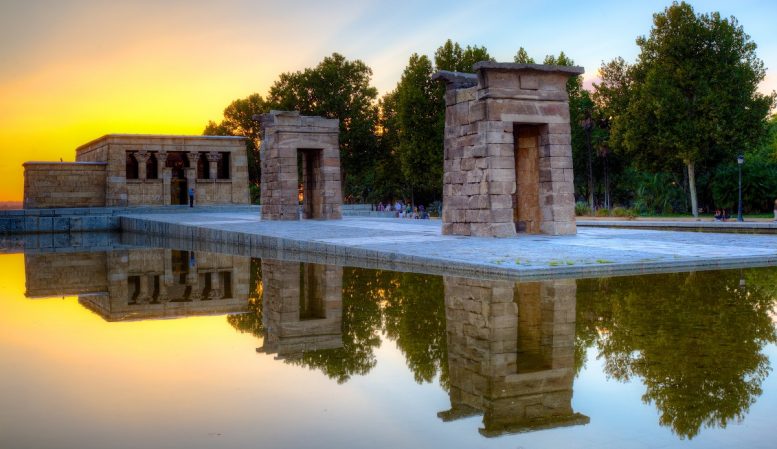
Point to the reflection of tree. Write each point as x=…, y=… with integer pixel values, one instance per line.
x=251, y=321
x=694, y=338
x=361, y=323
x=414, y=311
x=415, y=318
x=411, y=304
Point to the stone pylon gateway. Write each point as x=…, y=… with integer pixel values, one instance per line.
x=290, y=142
x=508, y=154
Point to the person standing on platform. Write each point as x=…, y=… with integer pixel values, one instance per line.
x=191, y=196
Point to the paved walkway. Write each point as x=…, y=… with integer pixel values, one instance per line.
x=418, y=245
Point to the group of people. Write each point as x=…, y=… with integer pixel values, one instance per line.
x=721, y=215
x=404, y=210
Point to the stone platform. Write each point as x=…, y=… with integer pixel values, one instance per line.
x=419, y=246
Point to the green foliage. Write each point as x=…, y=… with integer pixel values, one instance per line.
x=337, y=88
x=582, y=209
x=623, y=212
x=450, y=56
x=413, y=121
x=693, y=93
x=522, y=57
x=657, y=193
x=602, y=213
x=759, y=186
x=694, y=339
x=238, y=121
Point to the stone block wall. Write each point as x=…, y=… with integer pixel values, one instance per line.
x=508, y=158
x=511, y=353
x=287, y=135
x=64, y=184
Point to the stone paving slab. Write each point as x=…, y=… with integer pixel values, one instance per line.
x=418, y=245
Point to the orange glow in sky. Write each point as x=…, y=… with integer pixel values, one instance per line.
x=73, y=71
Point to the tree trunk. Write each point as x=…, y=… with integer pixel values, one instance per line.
x=692, y=189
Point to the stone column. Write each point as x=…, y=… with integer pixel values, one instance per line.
x=142, y=158
x=166, y=174
x=191, y=172
x=213, y=160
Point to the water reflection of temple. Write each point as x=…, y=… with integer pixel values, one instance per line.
x=302, y=307
x=511, y=353
x=143, y=283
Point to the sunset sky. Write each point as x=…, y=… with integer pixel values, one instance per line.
x=73, y=70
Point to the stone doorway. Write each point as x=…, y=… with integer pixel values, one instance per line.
x=526, y=200
x=309, y=163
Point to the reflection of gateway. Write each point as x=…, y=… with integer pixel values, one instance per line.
x=302, y=307
x=142, y=284
x=511, y=353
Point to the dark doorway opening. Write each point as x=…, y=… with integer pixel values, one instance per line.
x=179, y=187
x=526, y=201
x=309, y=163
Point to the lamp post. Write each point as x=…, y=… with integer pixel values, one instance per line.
x=740, y=161
x=588, y=124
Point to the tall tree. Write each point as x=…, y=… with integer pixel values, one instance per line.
x=522, y=57
x=421, y=118
x=337, y=88
x=238, y=121
x=694, y=91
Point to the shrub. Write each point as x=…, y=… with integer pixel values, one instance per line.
x=603, y=213
x=623, y=212
x=581, y=208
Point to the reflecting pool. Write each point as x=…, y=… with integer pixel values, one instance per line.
x=139, y=348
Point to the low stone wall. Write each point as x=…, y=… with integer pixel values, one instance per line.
x=64, y=184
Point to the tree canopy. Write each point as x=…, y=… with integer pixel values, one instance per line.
x=692, y=92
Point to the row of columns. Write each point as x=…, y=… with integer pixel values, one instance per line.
x=191, y=173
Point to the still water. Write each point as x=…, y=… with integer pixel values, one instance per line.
x=142, y=348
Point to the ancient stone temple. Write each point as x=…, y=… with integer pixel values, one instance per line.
x=302, y=307
x=508, y=158
x=511, y=353
x=119, y=170
x=300, y=164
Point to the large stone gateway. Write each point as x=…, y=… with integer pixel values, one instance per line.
x=300, y=162
x=508, y=158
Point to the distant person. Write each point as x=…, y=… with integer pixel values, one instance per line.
x=718, y=215
x=191, y=196
x=775, y=210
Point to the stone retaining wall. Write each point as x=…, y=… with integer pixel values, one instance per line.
x=64, y=184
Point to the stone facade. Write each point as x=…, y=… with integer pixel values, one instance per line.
x=143, y=284
x=64, y=184
x=302, y=307
x=291, y=140
x=508, y=158
x=120, y=170
x=511, y=353
x=158, y=170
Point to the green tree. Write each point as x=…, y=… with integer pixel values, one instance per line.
x=238, y=121
x=420, y=114
x=522, y=57
x=693, y=95
x=337, y=88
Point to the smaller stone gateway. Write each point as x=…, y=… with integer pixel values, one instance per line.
x=300, y=162
x=508, y=154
